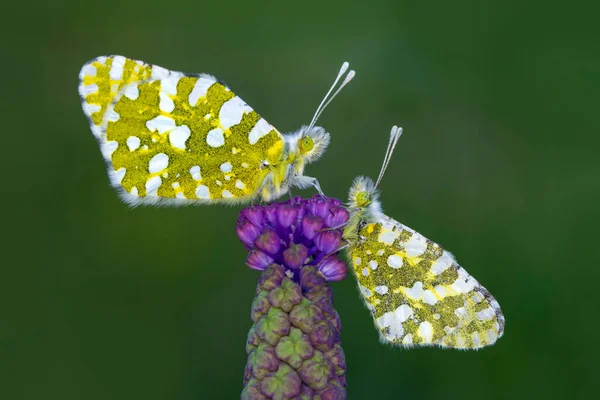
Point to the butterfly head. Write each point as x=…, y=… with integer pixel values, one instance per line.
x=364, y=197
x=309, y=143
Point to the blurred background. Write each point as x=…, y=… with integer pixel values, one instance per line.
x=498, y=163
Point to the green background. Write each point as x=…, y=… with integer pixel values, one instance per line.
x=498, y=163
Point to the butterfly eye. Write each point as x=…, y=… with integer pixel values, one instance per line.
x=363, y=199
x=306, y=144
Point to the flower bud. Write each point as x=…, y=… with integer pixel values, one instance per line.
x=311, y=224
x=328, y=241
x=253, y=214
x=247, y=232
x=286, y=215
x=333, y=269
x=268, y=242
x=258, y=260
x=295, y=255
x=337, y=217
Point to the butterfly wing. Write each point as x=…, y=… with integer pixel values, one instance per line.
x=418, y=294
x=173, y=138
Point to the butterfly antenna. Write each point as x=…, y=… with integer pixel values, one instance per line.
x=344, y=83
x=394, y=136
x=320, y=109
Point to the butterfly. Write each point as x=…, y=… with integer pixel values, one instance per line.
x=417, y=293
x=171, y=138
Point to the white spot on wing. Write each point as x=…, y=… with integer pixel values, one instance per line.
x=112, y=116
x=200, y=89
x=132, y=92
x=169, y=84
x=426, y=331
x=152, y=185
x=416, y=245
x=442, y=263
x=116, y=69
x=239, y=184
x=202, y=192
x=463, y=285
x=227, y=194
x=232, y=111
x=486, y=314
x=373, y=264
x=440, y=290
x=416, y=292
x=381, y=289
x=215, y=138
x=388, y=237
x=179, y=136
x=394, y=261
x=461, y=312
x=161, y=123
x=89, y=89
x=133, y=142
x=166, y=104
x=88, y=70
x=89, y=109
x=159, y=162
x=394, y=320
x=195, y=171
x=226, y=167
x=261, y=128
x=159, y=72
x=110, y=147
x=429, y=297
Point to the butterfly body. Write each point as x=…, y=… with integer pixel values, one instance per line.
x=415, y=290
x=170, y=138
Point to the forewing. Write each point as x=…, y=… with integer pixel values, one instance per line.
x=418, y=294
x=176, y=138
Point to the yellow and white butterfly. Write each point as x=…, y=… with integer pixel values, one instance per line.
x=170, y=138
x=417, y=293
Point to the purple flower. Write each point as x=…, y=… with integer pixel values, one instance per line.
x=247, y=232
x=337, y=217
x=268, y=242
x=311, y=225
x=294, y=233
x=286, y=215
x=295, y=255
x=333, y=269
x=294, y=345
x=253, y=214
x=319, y=206
x=258, y=260
x=328, y=241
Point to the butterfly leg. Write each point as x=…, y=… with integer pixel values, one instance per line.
x=304, y=182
